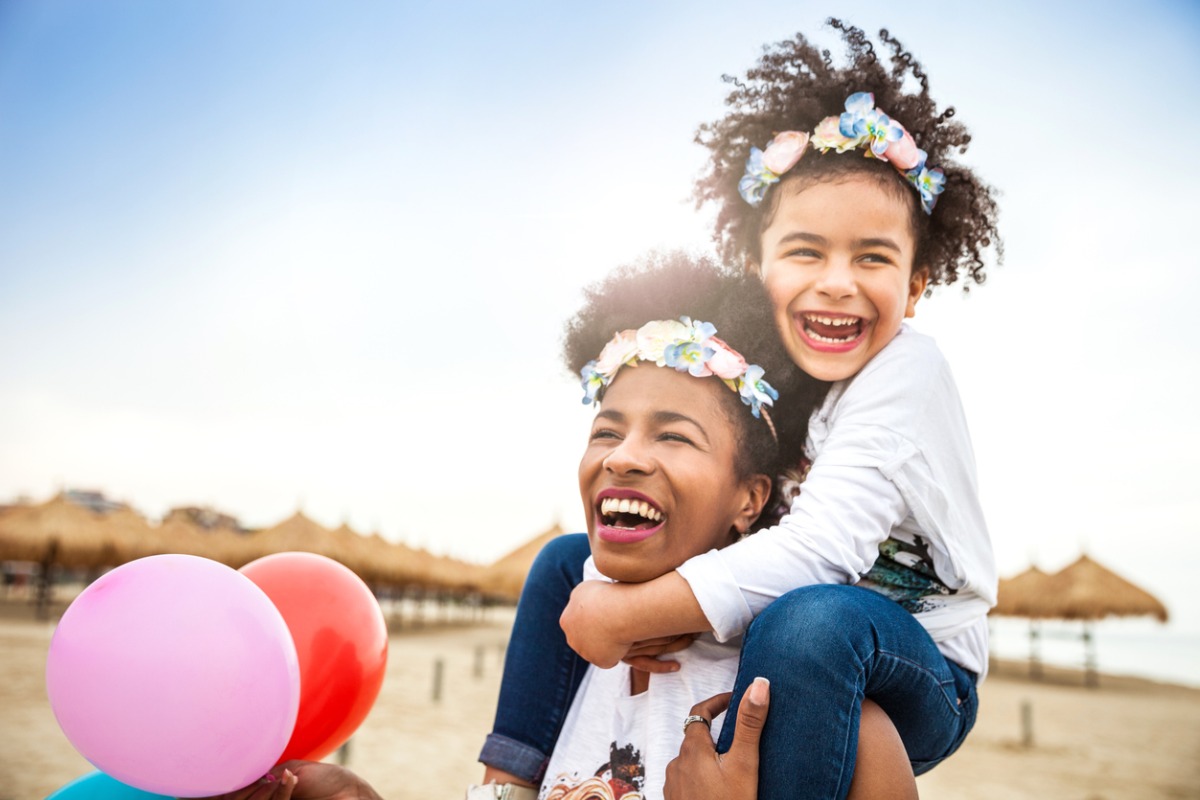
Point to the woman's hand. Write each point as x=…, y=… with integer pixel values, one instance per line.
x=700, y=772
x=306, y=780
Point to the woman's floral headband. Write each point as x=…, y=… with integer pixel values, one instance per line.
x=688, y=346
x=861, y=125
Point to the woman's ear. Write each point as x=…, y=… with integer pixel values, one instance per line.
x=752, y=267
x=757, y=492
x=916, y=289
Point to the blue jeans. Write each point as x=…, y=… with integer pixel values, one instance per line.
x=541, y=671
x=824, y=648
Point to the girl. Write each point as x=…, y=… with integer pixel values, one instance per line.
x=846, y=246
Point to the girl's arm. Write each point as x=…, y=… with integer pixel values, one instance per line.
x=832, y=535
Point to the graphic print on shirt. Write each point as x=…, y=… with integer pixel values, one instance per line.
x=904, y=573
x=619, y=779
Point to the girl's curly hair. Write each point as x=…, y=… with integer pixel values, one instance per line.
x=670, y=285
x=793, y=87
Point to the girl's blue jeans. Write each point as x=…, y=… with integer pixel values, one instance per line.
x=824, y=648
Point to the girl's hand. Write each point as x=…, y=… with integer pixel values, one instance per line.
x=591, y=622
x=699, y=773
x=647, y=656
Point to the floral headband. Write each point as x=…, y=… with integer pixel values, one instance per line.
x=862, y=125
x=688, y=346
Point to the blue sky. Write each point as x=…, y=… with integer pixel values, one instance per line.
x=268, y=255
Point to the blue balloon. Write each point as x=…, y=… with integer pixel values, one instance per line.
x=98, y=786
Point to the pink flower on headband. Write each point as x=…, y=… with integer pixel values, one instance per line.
x=784, y=151
x=618, y=352
x=903, y=153
x=726, y=363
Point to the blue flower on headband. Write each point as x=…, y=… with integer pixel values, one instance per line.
x=858, y=106
x=929, y=183
x=754, y=184
x=755, y=391
x=689, y=357
x=881, y=131
x=592, y=382
x=702, y=330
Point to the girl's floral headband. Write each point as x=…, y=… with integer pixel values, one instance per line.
x=861, y=125
x=688, y=346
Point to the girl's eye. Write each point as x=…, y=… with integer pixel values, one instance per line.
x=675, y=437
x=603, y=433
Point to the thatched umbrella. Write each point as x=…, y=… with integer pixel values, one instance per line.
x=298, y=532
x=1087, y=591
x=64, y=533
x=506, y=576
x=177, y=534
x=1084, y=591
x=1022, y=595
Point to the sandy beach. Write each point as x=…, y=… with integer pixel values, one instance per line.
x=1128, y=739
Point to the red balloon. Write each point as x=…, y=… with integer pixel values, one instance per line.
x=341, y=640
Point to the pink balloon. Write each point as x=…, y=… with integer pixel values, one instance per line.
x=176, y=675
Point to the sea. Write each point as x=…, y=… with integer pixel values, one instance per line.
x=1141, y=647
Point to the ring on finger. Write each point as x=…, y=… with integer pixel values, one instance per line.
x=696, y=718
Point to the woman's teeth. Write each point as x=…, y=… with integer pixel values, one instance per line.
x=611, y=506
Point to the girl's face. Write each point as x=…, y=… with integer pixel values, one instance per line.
x=658, y=479
x=838, y=265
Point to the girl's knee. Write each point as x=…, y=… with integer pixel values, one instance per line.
x=561, y=556
x=812, y=614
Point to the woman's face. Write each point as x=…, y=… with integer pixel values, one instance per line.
x=837, y=261
x=658, y=477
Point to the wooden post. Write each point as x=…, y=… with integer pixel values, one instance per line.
x=1035, y=655
x=1026, y=723
x=1090, y=676
x=439, y=669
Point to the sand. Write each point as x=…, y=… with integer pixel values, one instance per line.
x=1128, y=739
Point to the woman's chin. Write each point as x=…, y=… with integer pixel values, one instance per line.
x=625, y=570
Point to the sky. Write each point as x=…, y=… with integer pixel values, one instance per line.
x=275, y=256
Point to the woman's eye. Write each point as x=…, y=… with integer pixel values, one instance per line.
x=603, y=433
x=802, y=252
x=876, y=259
x=675, y=437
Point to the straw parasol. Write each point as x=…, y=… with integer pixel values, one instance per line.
x=178, y=534
x=1085, y=591
x=1022, y=595
x=1088, y=591
x=298, y=532
x=506, y=577
x=67, y=534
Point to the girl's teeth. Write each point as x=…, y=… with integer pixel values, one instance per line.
x=828, y=340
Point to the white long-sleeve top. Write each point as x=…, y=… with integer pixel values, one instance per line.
x=890, y=501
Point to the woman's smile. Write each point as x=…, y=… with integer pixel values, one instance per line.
x=626, y=516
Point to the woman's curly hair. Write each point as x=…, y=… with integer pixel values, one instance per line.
x=666, y=286
x=793, y=87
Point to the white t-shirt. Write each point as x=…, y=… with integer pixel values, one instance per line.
x=890, y=500
x=615, y=745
